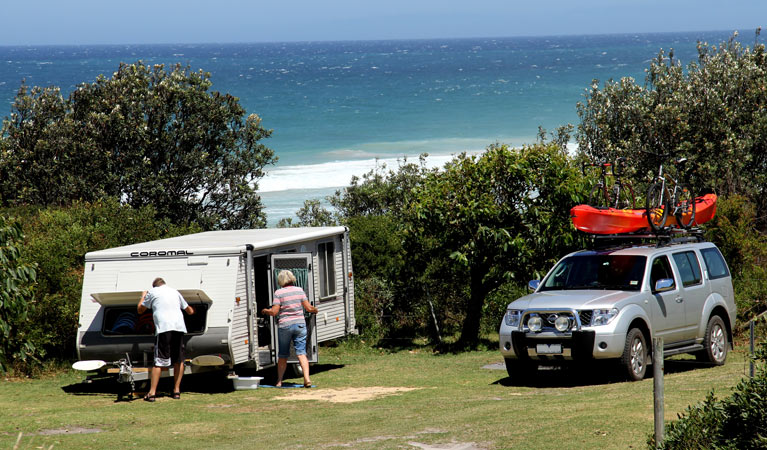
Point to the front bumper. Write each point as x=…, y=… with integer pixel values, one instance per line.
x=577, y=345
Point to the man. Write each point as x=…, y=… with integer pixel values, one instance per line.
x=166, y=304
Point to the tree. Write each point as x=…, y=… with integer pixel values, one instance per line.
x=56, y=238
x=711, y=112
x=16, y=283
x=500, y=216
x=146, y=136
x=312, y=214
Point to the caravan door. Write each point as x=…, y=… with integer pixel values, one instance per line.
x=301, y=266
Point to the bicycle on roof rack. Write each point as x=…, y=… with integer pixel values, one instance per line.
x=620, y=195
x=661, y=201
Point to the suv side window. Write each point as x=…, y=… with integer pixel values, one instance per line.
x=715, y=264
x=689, y=268
x=660, y=269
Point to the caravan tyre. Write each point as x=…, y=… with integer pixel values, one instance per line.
x=297, y=370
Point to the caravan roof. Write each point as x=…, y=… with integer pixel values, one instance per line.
x=217, y=242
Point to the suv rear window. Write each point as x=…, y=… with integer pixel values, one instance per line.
x=715, y=264
x=689, y=268
x=597, y=271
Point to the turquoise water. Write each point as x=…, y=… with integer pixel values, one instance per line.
x=336, y=107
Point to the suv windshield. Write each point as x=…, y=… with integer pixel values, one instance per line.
x=597, y=271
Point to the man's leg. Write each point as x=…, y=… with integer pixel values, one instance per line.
x=154, y=380
x=178, y=372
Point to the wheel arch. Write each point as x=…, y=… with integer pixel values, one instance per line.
x=721, y=311
x=640, y=324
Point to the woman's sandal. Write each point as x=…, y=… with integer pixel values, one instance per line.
x=308, y=385
x=149, y=398
x=176, y=395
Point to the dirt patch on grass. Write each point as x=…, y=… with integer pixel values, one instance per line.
x=450, y=446
x=345, y=395
x=69, y=430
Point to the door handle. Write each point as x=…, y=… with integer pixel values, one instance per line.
x=679, y=299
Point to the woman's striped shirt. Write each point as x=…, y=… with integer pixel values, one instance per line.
x=291, y=311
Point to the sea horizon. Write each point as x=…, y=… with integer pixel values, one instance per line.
x=338, y=108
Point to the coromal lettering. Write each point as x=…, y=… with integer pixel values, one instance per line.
x=161, y=253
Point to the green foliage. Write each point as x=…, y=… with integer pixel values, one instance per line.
x=501, y=216
x=312, y=214
x=745, y=250
x=147, y=136
x=381, y=191
x=373, y=305
x=56, y=240
x=16, y=282
x=495, y=306
x=711, y=112
x=736, y=422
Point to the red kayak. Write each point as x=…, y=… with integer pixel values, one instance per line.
x=615, y=221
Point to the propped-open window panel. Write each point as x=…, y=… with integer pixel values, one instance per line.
x=327, y=269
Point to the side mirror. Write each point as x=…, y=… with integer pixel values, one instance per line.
x=664, y=284
x=533, y=285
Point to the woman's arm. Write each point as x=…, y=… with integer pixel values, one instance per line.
x=308, y=307
x=273, y=311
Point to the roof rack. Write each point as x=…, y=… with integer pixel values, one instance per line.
x=667, y=237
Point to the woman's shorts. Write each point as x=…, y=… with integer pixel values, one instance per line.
x=295, y=333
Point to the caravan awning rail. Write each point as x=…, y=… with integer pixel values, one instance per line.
x=226, y=242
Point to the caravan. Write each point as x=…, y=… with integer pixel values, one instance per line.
x=228, y=277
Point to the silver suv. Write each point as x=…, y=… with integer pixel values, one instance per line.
x=610, y=303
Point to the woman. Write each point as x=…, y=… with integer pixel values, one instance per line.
x=289, y=304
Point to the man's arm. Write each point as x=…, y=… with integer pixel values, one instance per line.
x=141, y=308
x=189, y=310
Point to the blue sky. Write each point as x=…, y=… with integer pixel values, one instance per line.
x=192, y=21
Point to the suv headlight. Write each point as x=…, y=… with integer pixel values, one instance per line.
x=603, y=316
x=512, y=317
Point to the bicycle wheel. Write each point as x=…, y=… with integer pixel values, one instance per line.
x=684, y=208
x=656, y=206
x=625, y=198
x=599, y=198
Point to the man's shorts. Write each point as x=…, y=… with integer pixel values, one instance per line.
x=295, y=333
x=169, y=348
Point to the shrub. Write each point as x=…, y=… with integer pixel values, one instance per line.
x=57, y=238
x=735, y=422
x=16, y=283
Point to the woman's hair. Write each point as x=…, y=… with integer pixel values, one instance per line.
x=286, y=278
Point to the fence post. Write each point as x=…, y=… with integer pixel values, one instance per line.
x=751, y=327
x=657, y=384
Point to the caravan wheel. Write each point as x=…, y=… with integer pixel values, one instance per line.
x=297, y=370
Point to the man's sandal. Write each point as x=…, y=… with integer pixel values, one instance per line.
x=176, y=395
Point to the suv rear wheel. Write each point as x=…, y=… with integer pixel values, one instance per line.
x=634, y=358
x=714, y=342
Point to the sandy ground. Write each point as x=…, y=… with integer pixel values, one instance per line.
x=345, y=395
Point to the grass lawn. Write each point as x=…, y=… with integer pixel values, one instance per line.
x=453, y=400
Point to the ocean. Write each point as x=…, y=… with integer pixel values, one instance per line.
x=338, y=108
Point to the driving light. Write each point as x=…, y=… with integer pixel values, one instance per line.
x=562, y=323
x=535, y=323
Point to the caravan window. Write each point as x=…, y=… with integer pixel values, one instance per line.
x=327, y=272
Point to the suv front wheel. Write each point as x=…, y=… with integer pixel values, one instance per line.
x=714, y=342
x=634, y=358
